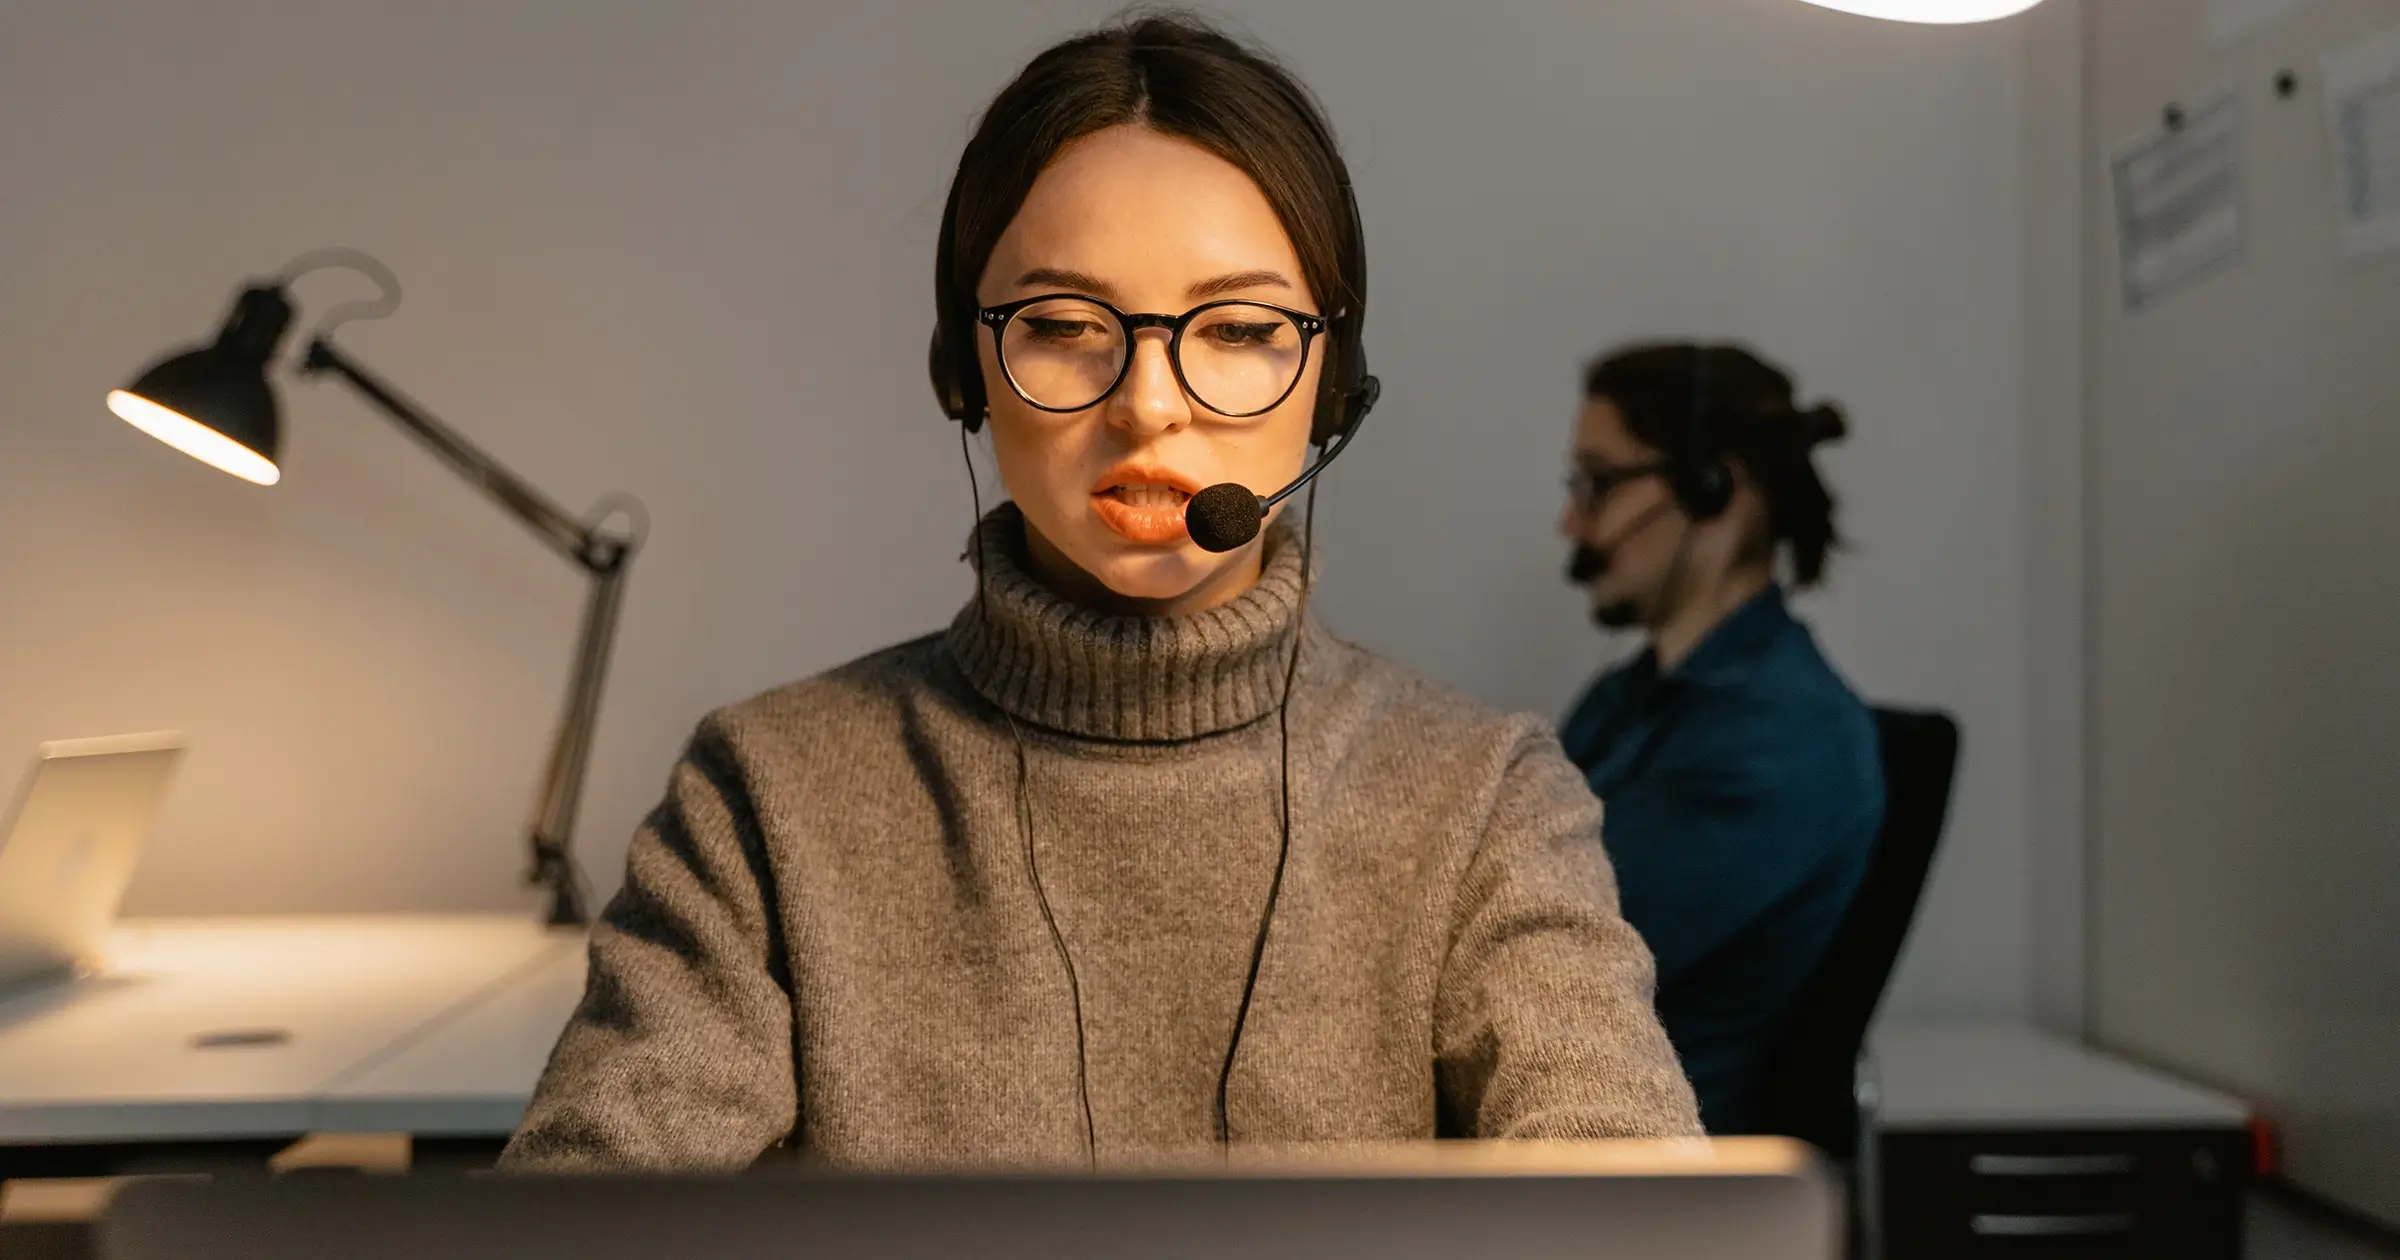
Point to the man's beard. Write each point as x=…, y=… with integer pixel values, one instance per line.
x=1619, y=614
x=1584, y=568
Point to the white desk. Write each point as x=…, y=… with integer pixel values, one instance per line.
x=2006, y=1076
x=158, y=1045
x=2000, y=1140
x=471, y=1074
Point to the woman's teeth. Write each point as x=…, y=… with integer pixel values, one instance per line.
x=1149, y=496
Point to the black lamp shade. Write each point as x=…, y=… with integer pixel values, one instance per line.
x=213, y=403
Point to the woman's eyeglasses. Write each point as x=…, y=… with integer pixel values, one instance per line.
x=1063, y=352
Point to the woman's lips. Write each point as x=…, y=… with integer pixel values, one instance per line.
x=1143, y=512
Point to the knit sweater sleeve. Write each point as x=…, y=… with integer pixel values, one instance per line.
x=1544, y=1026
x=680, y=1056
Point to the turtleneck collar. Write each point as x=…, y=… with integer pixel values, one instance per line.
x=1101, y=675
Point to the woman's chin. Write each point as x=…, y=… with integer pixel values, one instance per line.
x=1100, y=566
x=1150, y=575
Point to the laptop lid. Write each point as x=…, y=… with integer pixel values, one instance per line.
x=69, y=843
x=1751, y=1199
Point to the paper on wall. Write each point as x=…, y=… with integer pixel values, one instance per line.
x=2178, y=199
x=2362, y=106
x=2227, y=20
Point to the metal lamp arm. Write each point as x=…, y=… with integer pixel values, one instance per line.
x=601, y=555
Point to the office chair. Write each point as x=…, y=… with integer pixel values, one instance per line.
x=1810, y=1073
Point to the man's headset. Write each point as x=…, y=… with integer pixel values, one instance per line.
x=1346, y=393
x=1695, y=474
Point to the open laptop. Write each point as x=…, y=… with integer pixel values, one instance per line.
x=1738, y=1199
x=68, y=844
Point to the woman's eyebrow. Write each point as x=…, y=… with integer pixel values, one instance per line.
x=1085, y=282
x=1060, y=278
x=1233, y=280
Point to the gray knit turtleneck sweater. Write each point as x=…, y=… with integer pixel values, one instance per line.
x=829, y=934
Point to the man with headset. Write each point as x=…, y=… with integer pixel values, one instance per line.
x=1740, y=774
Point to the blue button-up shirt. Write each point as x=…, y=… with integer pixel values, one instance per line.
x=1743, y=792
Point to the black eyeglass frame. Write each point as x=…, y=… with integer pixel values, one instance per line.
x=997, y=319
x=1588, y=488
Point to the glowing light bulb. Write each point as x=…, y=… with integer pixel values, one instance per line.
x=1943, y=12
x=193, y=438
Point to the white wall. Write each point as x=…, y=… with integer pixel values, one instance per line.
x=685, y=250
x=2057, y=194
x=2244, y=607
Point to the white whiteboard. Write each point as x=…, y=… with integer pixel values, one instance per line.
x=2244, y=608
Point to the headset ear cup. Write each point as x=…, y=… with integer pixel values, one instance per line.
x=1370, y=389
x=1342, y=407
x=1325, y=423
x=937, y=371
x=948, y=388
x=1705, y=489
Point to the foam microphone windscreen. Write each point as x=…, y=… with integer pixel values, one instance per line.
x=1222, y=517
x=1587, y=563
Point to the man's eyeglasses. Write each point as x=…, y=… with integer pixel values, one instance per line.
x=1588, y=487
x=1065, y=352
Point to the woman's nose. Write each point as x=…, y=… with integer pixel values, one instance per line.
x=1151, y=401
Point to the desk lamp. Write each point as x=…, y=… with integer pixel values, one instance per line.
x=212, y=402
x=1946, y=12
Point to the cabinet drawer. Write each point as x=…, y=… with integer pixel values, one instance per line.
x=2126, y=1195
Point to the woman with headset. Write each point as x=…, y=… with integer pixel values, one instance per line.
x=1741, y=773
x=1134, y=855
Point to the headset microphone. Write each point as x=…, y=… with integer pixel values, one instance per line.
x=1227, y=515
x=1589, y=562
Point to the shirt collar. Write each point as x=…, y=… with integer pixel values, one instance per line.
x=1735, y=641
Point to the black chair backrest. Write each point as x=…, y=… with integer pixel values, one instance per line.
x=1807, y=1091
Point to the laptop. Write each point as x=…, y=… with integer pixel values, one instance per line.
x=1736, y=1199
x=68, y=844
